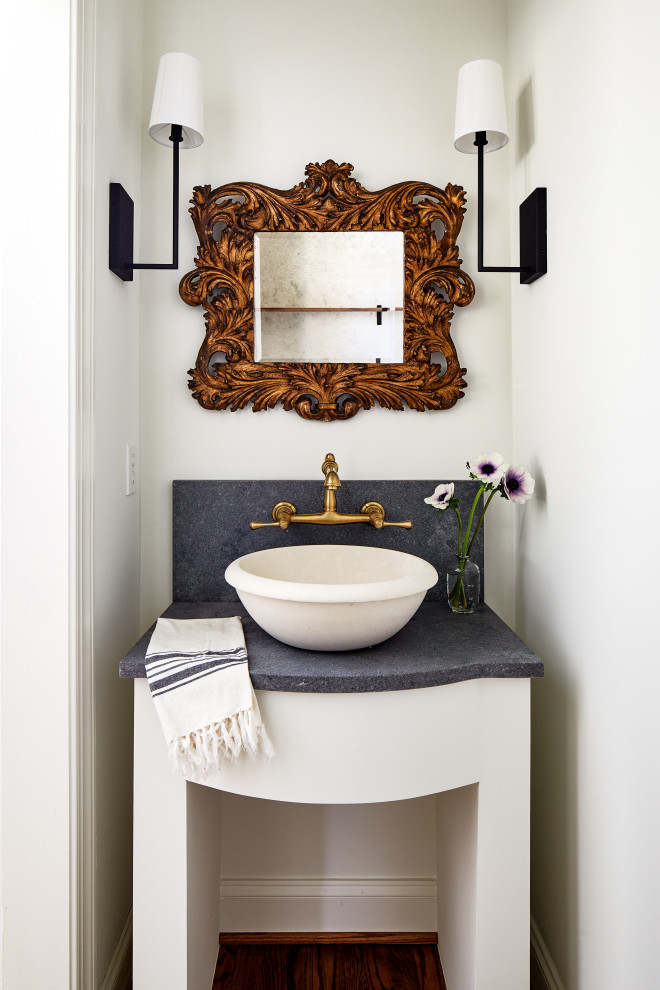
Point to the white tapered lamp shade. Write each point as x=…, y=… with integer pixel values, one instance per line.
x=480, y=106
x=178, y=99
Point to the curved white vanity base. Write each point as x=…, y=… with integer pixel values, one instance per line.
x=381, y=746
x=466, y=742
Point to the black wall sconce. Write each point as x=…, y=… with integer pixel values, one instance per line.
x=481, y=126
x=177, y=117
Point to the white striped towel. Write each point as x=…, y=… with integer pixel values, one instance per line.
x=197, y=671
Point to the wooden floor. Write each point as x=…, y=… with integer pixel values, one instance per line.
x=331, y=961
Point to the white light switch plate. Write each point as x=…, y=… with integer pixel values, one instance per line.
x=131, y=469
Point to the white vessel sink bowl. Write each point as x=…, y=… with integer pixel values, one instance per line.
x=331, y=597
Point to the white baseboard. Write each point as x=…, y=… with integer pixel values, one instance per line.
x=326, y=905
x=118, y=974
x=544, y=971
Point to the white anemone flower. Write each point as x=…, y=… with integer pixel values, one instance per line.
x=441, y=497
x=518, y=484
x=488, y=468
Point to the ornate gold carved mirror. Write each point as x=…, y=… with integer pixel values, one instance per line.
x=342, y=322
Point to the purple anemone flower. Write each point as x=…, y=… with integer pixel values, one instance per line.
x=441, y=497
x=488, y=469
x=518, y=483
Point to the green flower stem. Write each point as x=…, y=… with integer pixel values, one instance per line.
x=465, y=550
x=460, y=528
x=481, y=519
x=458, y=591
x=458, y=594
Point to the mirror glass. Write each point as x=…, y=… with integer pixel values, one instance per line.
x=329, y=297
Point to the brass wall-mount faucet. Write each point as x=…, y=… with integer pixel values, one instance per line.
x=284, y=513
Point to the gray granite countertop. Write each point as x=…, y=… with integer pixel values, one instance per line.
x=436, y=647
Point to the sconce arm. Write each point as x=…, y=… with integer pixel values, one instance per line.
x=122, y=221
x=533, y=226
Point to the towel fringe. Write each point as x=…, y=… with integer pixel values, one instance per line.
x=197, y=753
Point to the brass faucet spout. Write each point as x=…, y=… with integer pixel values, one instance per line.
x=332, y=480
x=332, y=483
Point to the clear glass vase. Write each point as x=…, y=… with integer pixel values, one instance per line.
x=463, y=586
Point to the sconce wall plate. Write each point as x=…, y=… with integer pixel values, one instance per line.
x=534, y=236
x=121, y=232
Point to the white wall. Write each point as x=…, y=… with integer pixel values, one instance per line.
x=115, y=123
x=373, y=83
x=289, y=867
x=584, y=79
x=36, y=638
